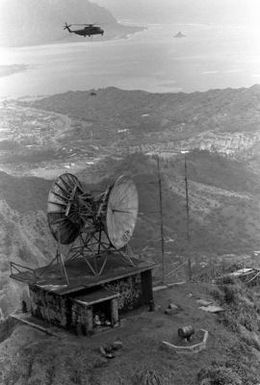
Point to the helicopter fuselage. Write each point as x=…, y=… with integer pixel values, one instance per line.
x=88, y=31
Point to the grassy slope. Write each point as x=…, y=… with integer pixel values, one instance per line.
x=29, y=357
x=223, y=197
x=24, y=194
x=25, y=236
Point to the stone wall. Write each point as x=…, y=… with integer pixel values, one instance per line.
x=66, y=312
x=81, y=318
x=130, y=290
x=49, y=306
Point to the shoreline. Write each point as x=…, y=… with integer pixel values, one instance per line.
x=8, y=70
x=120, y=31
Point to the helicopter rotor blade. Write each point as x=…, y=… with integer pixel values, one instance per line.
x=87, y=24
x=67, y=26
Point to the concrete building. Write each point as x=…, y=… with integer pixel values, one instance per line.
x=86, y=303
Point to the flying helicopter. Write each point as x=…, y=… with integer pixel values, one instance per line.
x=88, y=30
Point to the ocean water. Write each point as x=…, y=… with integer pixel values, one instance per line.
x=210, y=56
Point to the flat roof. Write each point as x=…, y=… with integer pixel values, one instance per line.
x=51, y=277
x=96, y=296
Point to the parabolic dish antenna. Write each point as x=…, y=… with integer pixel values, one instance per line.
x=94, y=224
x=122, y=210
x=64, y=227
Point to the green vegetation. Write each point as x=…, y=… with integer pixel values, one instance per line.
x=226, y=373
x=214, y=169
x=24, y=194
x=7, y=327
x=241, y=317
x=148, y=377
x=30, y=357
x=224, y=213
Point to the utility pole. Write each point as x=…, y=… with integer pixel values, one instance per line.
x=161, y=216
x=187, y=218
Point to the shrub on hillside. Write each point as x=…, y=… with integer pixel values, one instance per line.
x=241, y=306
x=231, y=372
x=229, y=320
x=148, y=377
x=217, y=294
x=231, y=294
x=251, y=341
x=219, y=376
x=225, y=280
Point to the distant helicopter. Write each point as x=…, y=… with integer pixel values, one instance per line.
x=88, y=30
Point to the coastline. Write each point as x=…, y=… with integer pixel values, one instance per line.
x=8, y=70
x=119, y=31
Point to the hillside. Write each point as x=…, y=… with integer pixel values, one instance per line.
x=101, y=134
x=25, y=237
x=228, y=109
x=185, y=11
x=29, y=356
x=224, y=214
x=76, y=130
x=224, y=211
x=30, y=22
x=227, y=120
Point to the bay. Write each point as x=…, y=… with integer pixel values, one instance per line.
x=209, y=56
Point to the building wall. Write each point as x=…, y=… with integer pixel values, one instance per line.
x=49, y=306
x=81, y=318
x=64, y=312
x=135, y=291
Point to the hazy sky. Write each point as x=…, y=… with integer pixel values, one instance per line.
x=197, y=11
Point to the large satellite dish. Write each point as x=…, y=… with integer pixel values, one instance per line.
x=93, y=224
x=122, y=210
x=64, y=225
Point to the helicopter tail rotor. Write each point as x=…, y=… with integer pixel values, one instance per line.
x=66, y=26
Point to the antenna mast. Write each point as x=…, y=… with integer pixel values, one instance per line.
x=161, y=216
x=187, y=218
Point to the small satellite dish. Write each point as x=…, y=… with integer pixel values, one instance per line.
x=96, y=224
